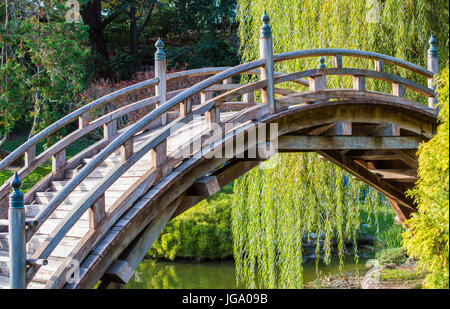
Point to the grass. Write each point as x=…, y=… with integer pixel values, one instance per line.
x=403, y=277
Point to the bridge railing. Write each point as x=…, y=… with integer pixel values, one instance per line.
x=210, y=107
x=108, y=121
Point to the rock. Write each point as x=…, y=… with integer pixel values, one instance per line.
x=410, y=262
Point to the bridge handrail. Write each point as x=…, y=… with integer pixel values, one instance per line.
x=93, y=124
x=352, y=53
x=20, y=151
x=69, y=221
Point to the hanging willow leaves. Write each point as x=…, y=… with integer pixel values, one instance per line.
x=274, y=210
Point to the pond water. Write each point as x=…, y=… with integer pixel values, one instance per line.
x=218, y=274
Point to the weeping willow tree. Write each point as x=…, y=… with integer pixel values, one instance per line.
x=275, y=208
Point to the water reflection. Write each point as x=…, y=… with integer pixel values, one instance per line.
x=216, y=275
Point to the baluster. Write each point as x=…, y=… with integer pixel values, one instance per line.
x=205, y=96
x=212, y=117
x=30, y=155
x=379, y=65
x=249, y=98
x=185, y=107
x=398, y=90
x=228, y=81
x=17, y=242
x=97, y=212
x=318, y=82
x=126, y=150
x=160, y=72
x=58, y=163
x=83, y=120
x=359, y=83
x=433, y=66
x=337, y=61
x=110, y=129
x=267, y=72
x=159, y=154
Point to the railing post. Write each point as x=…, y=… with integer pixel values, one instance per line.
x=318, y=82
x=83, y=120
x=433, y=66
x=58, y=162
x=30, y=155
x=267, y=72
x=17, y=249
x=160, y=72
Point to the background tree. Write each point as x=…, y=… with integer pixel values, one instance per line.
x=270, y=215
x=42, y=69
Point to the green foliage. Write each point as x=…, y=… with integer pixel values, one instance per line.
x=395, y=255
x=401, y=275
x=42, y=64
x=390, y=238
x=201, y=232
x=270, y=213
x=427, y=235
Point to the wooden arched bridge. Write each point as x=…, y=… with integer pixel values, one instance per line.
x=96, y=215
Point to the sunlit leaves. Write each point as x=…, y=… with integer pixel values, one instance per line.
x=427, y=235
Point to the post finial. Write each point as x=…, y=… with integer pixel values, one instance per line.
x=266, y=30
x=432, y=51
x=16, y=197
x=160, y=54
x=16, y=183
x=322, y=63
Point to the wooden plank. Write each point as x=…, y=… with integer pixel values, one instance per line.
x=83, y=120
x=235, y=106
x=334, y=129
x=159, y=154
x=382, y=130
x=371, y=179
x=289, y=142
x=398, y=90
x=212, y=117
x=97, y=213
x=30, y=155
x=396, y=174
x=409, y=160
x=359, y=83
x=58, y=163
x=337, y=61
x=110, y=129
x=205, y=96
x=185, y=107
x=317, y=83
x=207, y=185
x=126, y=150
x=379, y=65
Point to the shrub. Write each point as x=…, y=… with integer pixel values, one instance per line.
x=390, y=238
x=396, y=255
x=427, y=235
x=203, y=232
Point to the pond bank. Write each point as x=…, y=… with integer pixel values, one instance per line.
x=153, y=274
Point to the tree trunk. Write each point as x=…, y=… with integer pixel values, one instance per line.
x=91, y=14
x=133, y=31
